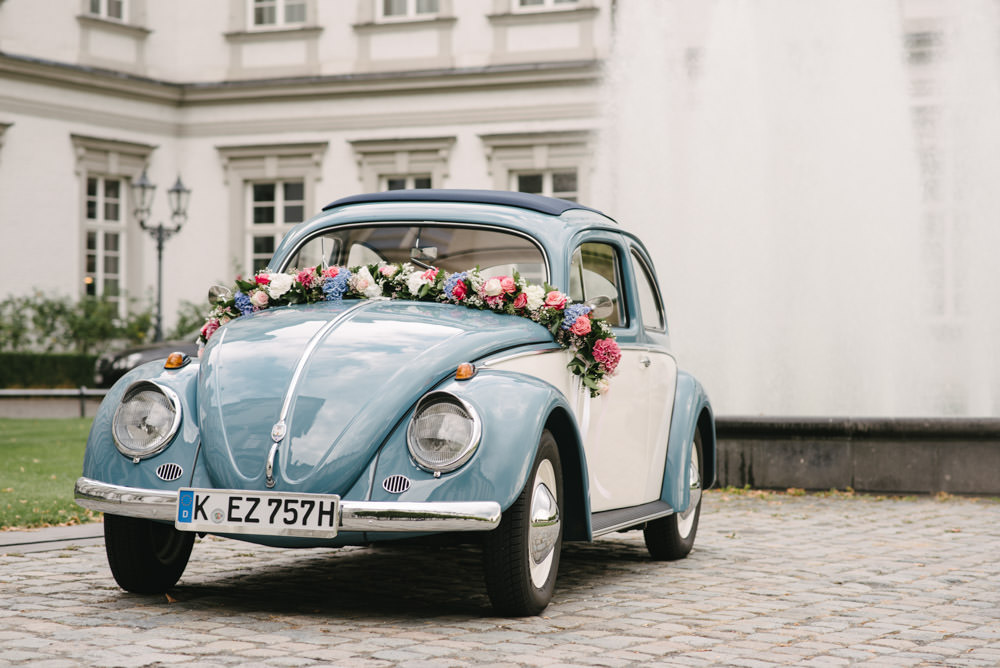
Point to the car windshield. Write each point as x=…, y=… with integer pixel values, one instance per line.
x=451, y=248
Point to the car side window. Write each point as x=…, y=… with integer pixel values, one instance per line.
x=649, y=297
x=593, y=273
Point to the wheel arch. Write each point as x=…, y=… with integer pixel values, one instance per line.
x=516, y=408
x=709, y=449
x=576, y=507
x=691, y=411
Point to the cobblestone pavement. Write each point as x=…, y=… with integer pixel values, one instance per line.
x=773, y=580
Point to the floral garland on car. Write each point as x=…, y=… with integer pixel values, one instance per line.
x=596, y=354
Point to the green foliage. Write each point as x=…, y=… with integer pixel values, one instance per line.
x=41, y=461
x=190, y=318
x=14, y=335
x=137, y=327
x=92, y=321
x=43, y=324
x=46, y=370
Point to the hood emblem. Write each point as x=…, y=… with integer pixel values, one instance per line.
x=278, y=431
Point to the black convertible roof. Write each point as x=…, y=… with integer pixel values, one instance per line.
x=549, y=205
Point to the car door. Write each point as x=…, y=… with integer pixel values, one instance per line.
x=660, y=366
x=616, y=425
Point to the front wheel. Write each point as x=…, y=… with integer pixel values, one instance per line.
x=672, y=537
x=521, y=556
x=145, y=557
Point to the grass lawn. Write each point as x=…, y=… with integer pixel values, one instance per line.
x=40, y=461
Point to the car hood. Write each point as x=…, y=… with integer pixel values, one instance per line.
x=339, y=376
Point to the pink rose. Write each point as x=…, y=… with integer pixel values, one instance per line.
x=331, y=272
x=262, y=279
x=507, y=284
x=607, y=353
x=430, y=274
x=459, y=291
x=387, y=270
x=556, y=300
x=520, y=301
x=305, y=277
x=209, y=329
x=259, y=299
x=581, y=327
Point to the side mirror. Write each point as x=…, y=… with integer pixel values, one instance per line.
x=601, y=306
x=219, y=293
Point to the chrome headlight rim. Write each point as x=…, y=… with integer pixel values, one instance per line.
x=165, y=440
x=467, y=451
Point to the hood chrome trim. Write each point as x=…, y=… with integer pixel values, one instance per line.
x=304, y=359
x=280, y=428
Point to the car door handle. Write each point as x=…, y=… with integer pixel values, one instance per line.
x=645, y=361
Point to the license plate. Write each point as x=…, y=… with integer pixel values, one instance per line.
x=261, y=513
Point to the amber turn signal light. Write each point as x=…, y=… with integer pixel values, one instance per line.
x=176, y=361
x=465, y=371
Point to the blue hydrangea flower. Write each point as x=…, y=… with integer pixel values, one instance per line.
x=572, y=312
x=243, y=303
x=334, y=288
x=451, y=282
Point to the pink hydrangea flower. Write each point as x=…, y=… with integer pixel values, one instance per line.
x=556, y=300
x=608, y=354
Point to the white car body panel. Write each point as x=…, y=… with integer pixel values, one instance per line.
x=625, y=436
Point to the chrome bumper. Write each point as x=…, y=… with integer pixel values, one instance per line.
x=391, y=516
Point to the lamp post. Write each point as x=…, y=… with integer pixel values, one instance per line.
x=177, y=196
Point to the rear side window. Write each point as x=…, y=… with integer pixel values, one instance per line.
x=650, y=303
x=594, y=272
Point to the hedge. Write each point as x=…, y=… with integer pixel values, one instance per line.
x=35, y=370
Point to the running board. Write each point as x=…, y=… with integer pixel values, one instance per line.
x=623, y=518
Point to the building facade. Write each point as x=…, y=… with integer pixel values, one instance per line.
x=268, y=110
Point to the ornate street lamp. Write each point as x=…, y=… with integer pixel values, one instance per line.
x=178, y=197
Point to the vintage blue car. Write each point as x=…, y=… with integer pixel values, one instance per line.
x=408, y=365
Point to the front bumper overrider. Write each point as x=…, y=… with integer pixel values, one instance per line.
x=387, y=516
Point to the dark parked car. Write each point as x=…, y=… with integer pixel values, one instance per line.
x=112, y=366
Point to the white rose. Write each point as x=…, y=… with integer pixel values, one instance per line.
x=492, y=287
x=279, y=285
x=364, y=283
x=536, y=297
x=414, y=281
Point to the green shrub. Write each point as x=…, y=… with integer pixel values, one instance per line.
x=42, y=324
x=46, y=370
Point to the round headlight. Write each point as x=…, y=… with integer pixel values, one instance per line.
x=146, y=419
x=443, y=433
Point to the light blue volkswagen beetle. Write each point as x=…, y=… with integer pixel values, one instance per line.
x=407, y=365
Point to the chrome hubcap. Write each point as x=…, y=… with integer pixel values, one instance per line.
x=685, y=521
x=543, y=532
